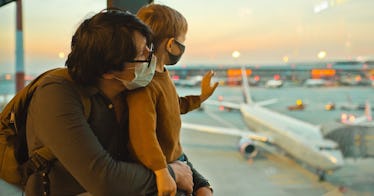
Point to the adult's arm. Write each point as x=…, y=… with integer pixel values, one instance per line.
x=57, y=116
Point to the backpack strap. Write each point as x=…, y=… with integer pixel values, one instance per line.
x=86, y=102
x=41, y=160
x=63, y=73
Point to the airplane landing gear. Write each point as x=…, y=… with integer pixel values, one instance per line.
x=321, y=175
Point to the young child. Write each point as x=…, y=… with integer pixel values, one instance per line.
x=154, y=111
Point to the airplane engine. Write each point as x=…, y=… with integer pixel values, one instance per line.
x=247, y=148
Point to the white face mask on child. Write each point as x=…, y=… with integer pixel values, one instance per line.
x=143, y=75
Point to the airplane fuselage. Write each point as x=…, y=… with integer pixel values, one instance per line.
x=301, y=140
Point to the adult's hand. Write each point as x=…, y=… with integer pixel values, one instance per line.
x=204, y=191
x=183, y=176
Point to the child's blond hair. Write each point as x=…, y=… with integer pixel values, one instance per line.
x=164, y=21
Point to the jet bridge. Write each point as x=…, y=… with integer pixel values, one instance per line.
x=355, y=141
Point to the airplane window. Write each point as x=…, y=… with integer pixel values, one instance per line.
x=328, y=148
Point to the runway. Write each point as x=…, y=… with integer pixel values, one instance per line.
x=271, y=173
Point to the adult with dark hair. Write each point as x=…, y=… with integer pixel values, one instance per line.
x=110, y=53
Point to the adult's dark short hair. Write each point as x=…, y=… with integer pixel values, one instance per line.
x=103, y=43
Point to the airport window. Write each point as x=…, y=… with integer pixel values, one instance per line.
x=296, y=78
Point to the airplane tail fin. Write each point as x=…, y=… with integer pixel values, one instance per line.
x=245, y=87
x=368, y=111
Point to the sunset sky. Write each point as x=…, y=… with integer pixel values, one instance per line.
x=262, y=31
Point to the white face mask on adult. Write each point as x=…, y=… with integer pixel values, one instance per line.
x=143, y=75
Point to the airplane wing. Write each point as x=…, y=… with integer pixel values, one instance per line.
x=223, y=103
x=237, y=106
x=267, y=102
x=227, y=131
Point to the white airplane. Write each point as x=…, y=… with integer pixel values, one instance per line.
x=274, y=84
x=314, y=82
x=300, y=139
x=190, y=82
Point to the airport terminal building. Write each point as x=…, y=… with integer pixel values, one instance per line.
x=334, y=73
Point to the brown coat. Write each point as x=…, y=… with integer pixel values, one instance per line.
x=155, y=123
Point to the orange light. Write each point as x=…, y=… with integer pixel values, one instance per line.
x=318, y=73
x=238, y=72
x=8, y=76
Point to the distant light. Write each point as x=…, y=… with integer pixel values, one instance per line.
x=29, y=77
x=276, y=77
x=175, y=77
x=285, y=59
x=344, y=117
x=321, y=6
x=361, y=58
x=61, y=55
x=351, y=118
x=235, y=54
x=322, y=54
x=8, y=76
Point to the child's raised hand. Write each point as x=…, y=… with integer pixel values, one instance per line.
x=206, y=89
